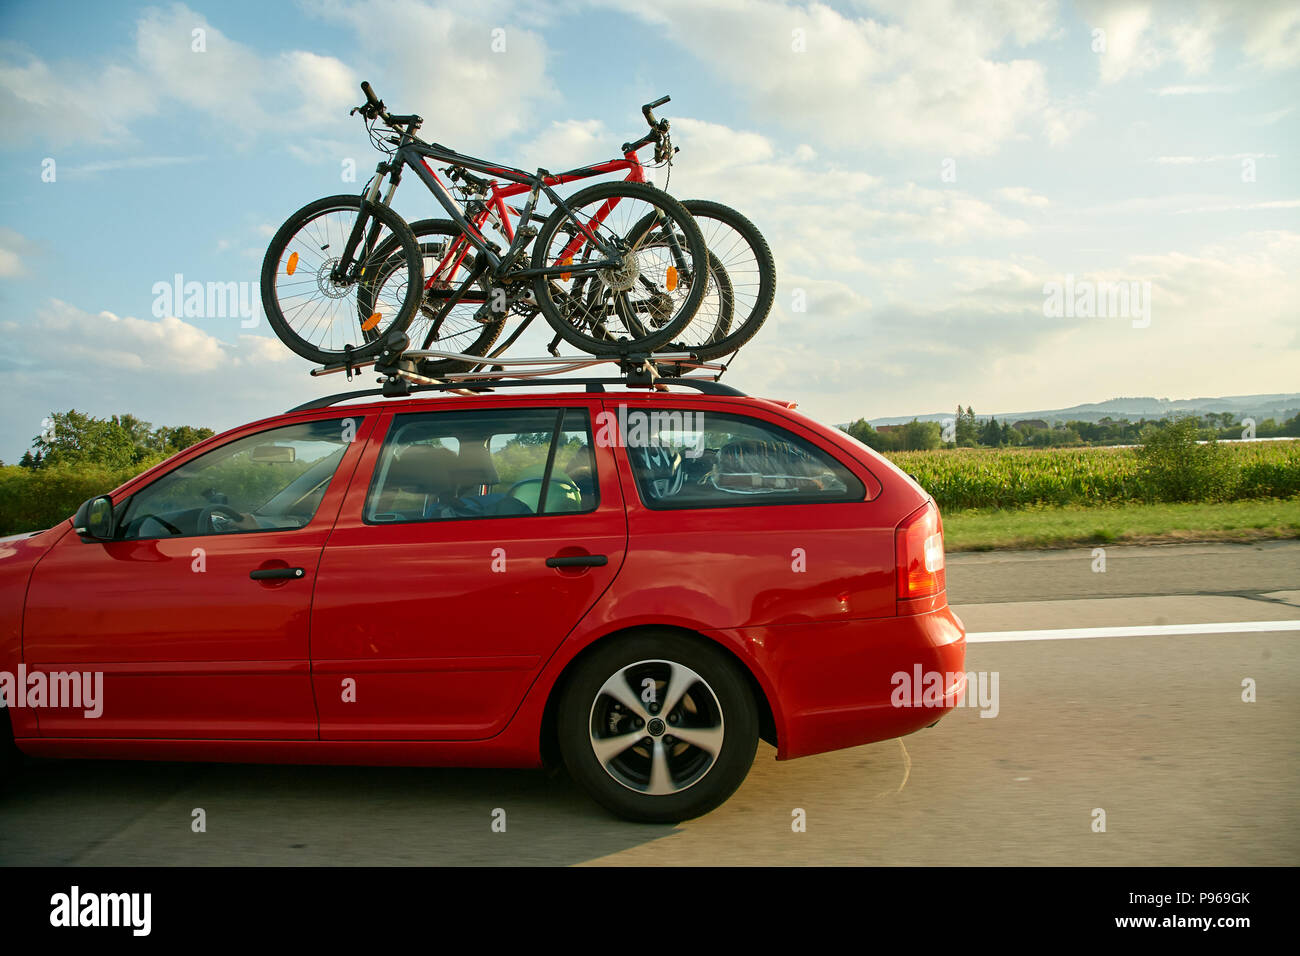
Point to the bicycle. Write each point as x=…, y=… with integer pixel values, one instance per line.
x=575, y=243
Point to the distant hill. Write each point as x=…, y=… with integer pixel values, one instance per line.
x=1259, y=407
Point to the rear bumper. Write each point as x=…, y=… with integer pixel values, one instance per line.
x=840, y=684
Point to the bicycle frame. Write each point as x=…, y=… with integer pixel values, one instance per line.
x=416, y=155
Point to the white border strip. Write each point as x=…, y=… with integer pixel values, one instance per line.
x=1148, y=630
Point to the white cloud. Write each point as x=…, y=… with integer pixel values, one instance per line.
x=14, y=247
x=1141, y=35
x=1240, y=207
x=1194, y=89
x=438, y=60
x=1218, y=158
x=134, y=162
x=61, y=105
x=929, y=75
x=566, y=145
x=434, y=59
x=66, y=334
x=227, y=82
x=1023, y=196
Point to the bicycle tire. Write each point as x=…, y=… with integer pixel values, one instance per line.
x=371, y=340
x=697, y=255
x=743, y=329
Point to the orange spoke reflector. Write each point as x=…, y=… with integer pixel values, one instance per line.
x=293, y=263
x=370, y=323
x=672, y=278
x=566, y=276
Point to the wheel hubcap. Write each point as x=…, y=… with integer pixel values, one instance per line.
x=630, y=720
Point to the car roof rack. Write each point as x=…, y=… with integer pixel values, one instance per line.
x=639, y=370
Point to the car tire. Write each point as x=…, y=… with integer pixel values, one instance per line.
x=658, y=727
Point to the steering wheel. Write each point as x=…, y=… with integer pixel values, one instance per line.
x=224, y=514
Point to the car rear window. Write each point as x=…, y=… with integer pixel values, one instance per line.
x=705, y=459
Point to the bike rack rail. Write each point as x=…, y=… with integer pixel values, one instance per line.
x=638, y=370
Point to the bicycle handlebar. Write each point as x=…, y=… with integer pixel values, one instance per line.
x=459, y=174
x=648, y=110
x=374, y=108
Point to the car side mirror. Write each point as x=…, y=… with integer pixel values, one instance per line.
x=94, y=519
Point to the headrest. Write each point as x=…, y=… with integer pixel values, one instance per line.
x=474, y=466
x=422, y=468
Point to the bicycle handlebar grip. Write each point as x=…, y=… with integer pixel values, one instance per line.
x=646, y=110
x=370, y=94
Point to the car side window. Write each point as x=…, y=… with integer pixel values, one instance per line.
x=704, y=459
x=491, y=463
x=272, y=481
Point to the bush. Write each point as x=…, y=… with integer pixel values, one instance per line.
x=1173, y=466
x=32, y=499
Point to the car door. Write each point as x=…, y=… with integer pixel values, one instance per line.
x=196, y=614
x=450, y=578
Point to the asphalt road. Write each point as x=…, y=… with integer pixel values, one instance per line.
x=1149, y=728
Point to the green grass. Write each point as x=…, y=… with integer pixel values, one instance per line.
x=984, y=529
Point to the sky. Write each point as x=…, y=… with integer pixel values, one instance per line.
x=944, y=184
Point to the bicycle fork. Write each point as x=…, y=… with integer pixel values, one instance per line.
x=347, y=271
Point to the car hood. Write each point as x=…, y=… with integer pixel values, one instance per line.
x=11, y=538
x=30, y=545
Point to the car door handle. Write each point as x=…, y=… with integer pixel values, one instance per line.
x=577, y=561
x=266, y=574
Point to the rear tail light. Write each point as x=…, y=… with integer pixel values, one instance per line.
x=918, y=551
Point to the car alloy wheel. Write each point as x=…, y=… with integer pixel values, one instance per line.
x=658, y=726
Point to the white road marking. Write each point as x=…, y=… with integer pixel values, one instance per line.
x=1143, y=630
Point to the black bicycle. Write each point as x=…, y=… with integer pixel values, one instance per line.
x=328, y=284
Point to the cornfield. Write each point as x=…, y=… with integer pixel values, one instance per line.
x=1018, y=477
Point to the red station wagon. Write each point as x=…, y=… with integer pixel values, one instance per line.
x=638, y=584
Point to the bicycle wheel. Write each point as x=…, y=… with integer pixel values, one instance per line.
x=743, y=255
x=635, y=308
x=468, y=328
x=712, y=319
x=309, y=308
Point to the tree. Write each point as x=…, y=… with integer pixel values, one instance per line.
x=76, y=439
x=920, y=436
x=171, y=440
x=967, y=431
